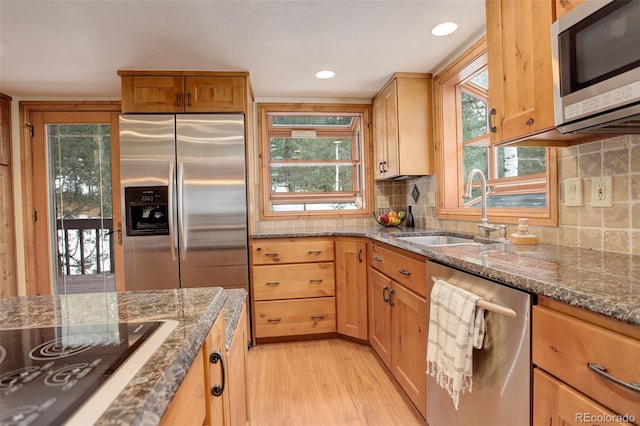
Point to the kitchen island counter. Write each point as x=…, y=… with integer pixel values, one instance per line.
x=147, y=395
x=602, y=282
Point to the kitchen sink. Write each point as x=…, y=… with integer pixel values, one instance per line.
x=438, y=240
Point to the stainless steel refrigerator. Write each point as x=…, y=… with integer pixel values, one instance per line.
x=184, y=201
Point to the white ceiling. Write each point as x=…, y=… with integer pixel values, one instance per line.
x=73, y=48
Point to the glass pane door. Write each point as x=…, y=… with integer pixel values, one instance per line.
x=81, y=200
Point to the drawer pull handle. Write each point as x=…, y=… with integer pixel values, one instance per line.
x=359, y=255
x=272, y=320
x=317, y=317
x=214, y=358
x=602, y=370
x=315, y=251
x=404, y=272
x=316, y=281
x=385, y=298
x=273, y=283
x=391, y=293
x=377, y=259
x=271, y=254
x=492, y=128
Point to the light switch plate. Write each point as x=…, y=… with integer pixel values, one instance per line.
x=573, y=192
x=601, y=190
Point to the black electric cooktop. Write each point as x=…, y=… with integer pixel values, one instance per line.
x=47, y=373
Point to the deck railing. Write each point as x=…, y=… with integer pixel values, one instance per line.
x=85, y=246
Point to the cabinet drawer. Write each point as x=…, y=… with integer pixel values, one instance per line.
x=555, y=403
x=272, y=282
x=409, y=272
x=295, y=317
x=269, y=252
x=565, y=346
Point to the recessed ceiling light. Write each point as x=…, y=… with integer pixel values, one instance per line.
x=325, y=74
x=444, y=29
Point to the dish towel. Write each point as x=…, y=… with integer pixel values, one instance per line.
x=456, y=326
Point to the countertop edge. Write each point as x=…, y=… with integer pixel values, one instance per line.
x=157, y=399
x=535, y=286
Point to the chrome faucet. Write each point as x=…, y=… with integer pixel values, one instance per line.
x=484, y=227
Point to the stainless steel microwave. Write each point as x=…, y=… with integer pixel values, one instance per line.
x=596, y=68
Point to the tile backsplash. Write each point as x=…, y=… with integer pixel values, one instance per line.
x=615, y=229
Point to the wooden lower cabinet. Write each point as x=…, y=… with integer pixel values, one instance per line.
x=238, y=359
x=586, y=367
x=215, y=373
x=293, y=284
x=215, y=368
x=188, y=406
x=351, y=288
x=380, y=315
x=409, y=344
x=398, y=327
x=193, y=403
x=295, y=317
x=557, y=404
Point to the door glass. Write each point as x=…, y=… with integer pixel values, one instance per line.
x=81, y=198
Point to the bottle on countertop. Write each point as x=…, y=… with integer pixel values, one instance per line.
x=410, y=223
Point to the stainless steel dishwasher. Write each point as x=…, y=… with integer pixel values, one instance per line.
x=501, y=392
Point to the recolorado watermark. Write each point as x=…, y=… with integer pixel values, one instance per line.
x=604, y=418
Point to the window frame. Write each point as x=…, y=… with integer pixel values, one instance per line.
x=266, y=131
x=448, y=144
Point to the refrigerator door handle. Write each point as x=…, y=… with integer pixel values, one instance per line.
x=181, y=233
x=172, y=219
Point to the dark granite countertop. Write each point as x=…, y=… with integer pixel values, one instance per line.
x=147, y=395
x=602, y=282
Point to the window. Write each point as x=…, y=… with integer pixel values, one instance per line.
x=313, y=159
x=521, y=180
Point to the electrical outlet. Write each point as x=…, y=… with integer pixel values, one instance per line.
x=573, y=192
x=382, y=202
x=601, y=190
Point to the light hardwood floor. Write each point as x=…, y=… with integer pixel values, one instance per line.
x=330, y=382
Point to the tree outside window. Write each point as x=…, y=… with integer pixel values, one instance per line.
x=519, y=178
x=312, y=159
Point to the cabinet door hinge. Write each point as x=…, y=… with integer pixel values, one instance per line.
x=35, y=215
x=31, y=129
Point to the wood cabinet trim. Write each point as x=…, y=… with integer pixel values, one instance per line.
x=600, y=320
x=125, y=72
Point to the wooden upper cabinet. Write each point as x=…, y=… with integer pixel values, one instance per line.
x=145, y=91
x=519, y=61
x=563, y=6
x=403, y=126
x=214, y=94
x=152, y=94
x=520, y=73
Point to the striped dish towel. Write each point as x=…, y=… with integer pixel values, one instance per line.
x=456, y=326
